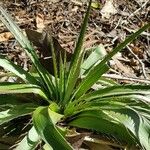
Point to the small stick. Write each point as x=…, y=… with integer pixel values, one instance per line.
x=131, y=30
x=142, y=64
x=135, y=12
x=119, y=77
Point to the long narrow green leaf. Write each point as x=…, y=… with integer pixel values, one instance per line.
x=47, y=130
x=90, y=80
x=101, y=122
x=135, y=122
x=24, y=75
x=62, y=73
x=13, y=88
x=30, y=141
x=106, y=82
x=78, y=49
x=72, y=84
x=84, y=86
x=76, y=61
x=55, y=60
x=47, y=147
x=118, y=101
x=16, y=111
x=133, y=114
x=9, y=100
x=137, y=92
x=25, y=43
x=117, y=90
x=97, y=54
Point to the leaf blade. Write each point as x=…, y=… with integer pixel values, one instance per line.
x=30, y=141
x=47, y=130
x=102, y=123
x=16, y=111
x=14, y=88
x=24, y=75
x=74, y=71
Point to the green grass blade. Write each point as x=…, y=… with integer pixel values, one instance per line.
x=90, y=80
x=134, y=101
x=132, y=91
x=78, y=49
x=55, y=61
x=18, y=71
x=62, y=72
x=47, y=129
x=16, y=31
x=72, y=83
x=47, y=147
x=141, y=92
x=16, y=88
x=119, y=101
x=117, y=90
x=84, y=86
x=25, y=43
x=9, y=100
x=75, y=62
x=106, y=82
x=30, y=141
x=16, y=111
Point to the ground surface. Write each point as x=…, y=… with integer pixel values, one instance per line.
x=109, y=24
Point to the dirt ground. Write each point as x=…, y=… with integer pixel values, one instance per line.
x=110, y=22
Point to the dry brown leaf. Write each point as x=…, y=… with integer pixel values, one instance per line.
x=77, y=2
x=40, y=22
x=118, y=65
x=5, y=36
x=122, y=67
x=108, y=9
x=141, y=1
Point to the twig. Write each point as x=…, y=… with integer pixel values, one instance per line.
x=148, y=45
x=142, y=64
x=131, y=30
x=119, y=21
x=135, y=12
x=119, y=77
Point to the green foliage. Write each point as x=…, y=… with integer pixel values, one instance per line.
x=44, y=122
x=66, y=93
x=30, y=141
